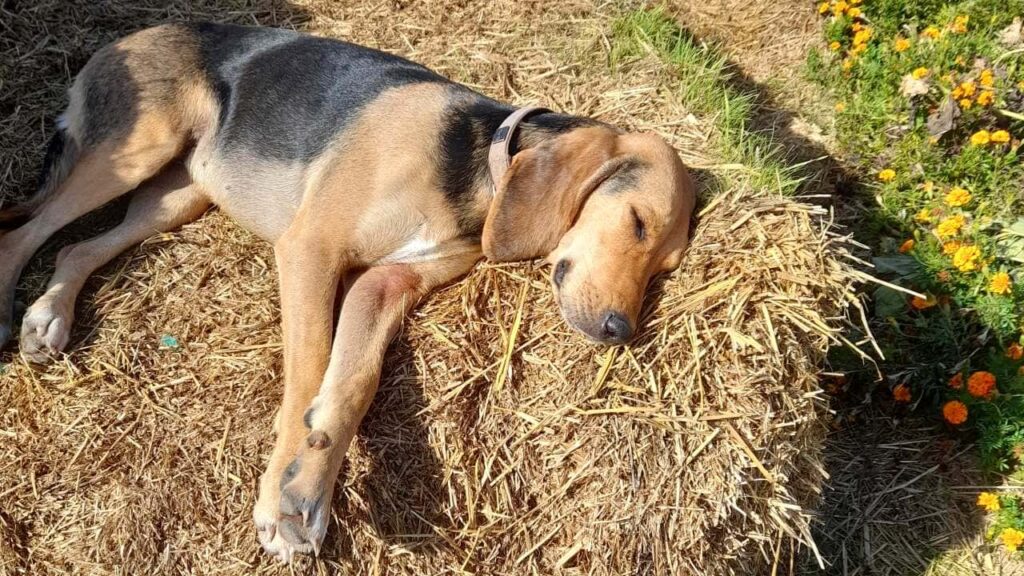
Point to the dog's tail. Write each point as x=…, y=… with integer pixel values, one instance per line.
x=61, y=155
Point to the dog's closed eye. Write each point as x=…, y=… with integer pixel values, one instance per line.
x=638, y=225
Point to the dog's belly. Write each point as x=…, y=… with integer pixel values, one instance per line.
x=261, y=196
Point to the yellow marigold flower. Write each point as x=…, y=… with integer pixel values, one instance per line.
x=925, y=215
x=955, y=412
x=907, y=246
x=1000, y=283
x=988, y=501
x=1015, y=351
x=986, y=79
x=901, y=393
x=847, y=63
x=853, y=12
x=858, y=49
x=986, y=98
x=901, y=44
x=1012, y=538
x=857, y=27
x=981, y=138
x=960, y=24
x=823, y=7
x=950, y=226
x=966, y=103
x=966, y=258
x=839, y=7
x=862, y=36
x=918, y=303
x=957, y=197
x=928, y=186
x=834, y=46
x=840, y=106
x=950, y=248
x=887, y=175
x=967, y=88
x=957, y=381
x=919, y=72
x=957, y=93
x=1000, y=137
x=981, y=384
x=931, y=32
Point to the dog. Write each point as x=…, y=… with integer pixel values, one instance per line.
x=375, y=179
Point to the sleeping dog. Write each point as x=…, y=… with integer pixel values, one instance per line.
x=376, y=180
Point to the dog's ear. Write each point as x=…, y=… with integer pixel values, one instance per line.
x=542, y=192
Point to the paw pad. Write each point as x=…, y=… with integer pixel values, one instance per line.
x=318, y=440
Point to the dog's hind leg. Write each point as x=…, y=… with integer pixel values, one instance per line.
x=162, y=204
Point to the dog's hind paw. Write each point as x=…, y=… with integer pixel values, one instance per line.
x=45, y=331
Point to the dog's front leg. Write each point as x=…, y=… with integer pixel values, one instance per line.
x=310, y=272
x=371, y=315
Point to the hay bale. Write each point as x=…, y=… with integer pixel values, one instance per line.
x=500, y=442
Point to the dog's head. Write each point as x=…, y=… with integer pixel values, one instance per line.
x=608, y=210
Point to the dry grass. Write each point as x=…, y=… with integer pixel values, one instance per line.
x=500, y=442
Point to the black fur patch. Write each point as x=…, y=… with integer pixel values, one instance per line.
x=626, y=176
x=285, y=95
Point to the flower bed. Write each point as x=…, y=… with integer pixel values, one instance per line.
x=929, y=103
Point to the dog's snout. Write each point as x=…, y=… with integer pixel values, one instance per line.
x=616, y=329
x=561, y=269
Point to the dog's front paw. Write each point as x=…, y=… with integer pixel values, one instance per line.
x=271, y=529
x=307, y=486
x=45, y=332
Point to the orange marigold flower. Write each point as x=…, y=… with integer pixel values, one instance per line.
x=966, y=258
x=981, y=138
x=958, y=197
x=887, y=175
x=931, y=32
x=1000, y=283
x=957, y=381
x=986, y=98
x=907, y=246
x=950, y=226
x=950, y=248
x=1000, y=137
x=901, y=393
x=986, y=79
x=862, y=36
x=839, y=7
x=1015, y=351
x=918, y=303
x=967, y=88
x=1012, y=538
x=900, y=44
x=857, y=27
x=840, y=106
x=988, y=501
x=981, y=384
x=955, y=412
x=823, y=8
x=919, y=72
x=960, y=24
x=966, y=103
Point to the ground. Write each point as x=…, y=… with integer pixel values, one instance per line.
x=900, y=498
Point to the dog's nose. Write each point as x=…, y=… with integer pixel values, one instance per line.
x=616, y=329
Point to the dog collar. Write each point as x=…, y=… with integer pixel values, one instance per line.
x=499, y=157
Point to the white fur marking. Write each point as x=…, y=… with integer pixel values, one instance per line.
x=62, y=122
x=415, y=250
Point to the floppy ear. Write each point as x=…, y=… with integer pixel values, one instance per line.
x=542, y=193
